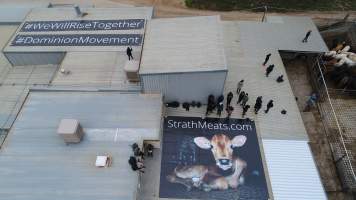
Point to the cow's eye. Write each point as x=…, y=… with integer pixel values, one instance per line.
x=211, y=146
x=231, y=146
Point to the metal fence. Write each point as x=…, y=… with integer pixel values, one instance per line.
x=336, y=126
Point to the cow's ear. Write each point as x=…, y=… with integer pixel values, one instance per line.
x=238, y=141
x=202, y=142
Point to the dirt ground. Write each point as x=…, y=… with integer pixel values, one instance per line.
x=173, y=8
x=176, y=8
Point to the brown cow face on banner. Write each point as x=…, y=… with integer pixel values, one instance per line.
x=222, y=148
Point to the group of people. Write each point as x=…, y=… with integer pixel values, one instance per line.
x=242, y=100
x=270, y=68
x=136, y=161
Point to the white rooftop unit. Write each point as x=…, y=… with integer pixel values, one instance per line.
x=183, y=58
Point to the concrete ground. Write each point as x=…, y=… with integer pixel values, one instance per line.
x=299, y=79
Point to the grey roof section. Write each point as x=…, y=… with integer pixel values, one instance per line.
x=283, y=33
x=187, y=44
x=246, y=45
x=95, y=69
x=35, y=163
x=15, y=81
x=16, y=12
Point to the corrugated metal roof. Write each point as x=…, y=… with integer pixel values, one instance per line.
x=292, y=170
x=100, y=69
x=187, y=44
x=16, y=12
x=35, y=163
x=15, y=81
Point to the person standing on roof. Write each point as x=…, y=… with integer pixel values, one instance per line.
x=266, y=59
x=245, y=109
x=211, y=105
x=129, y=53
x=239, y=86
x=220, y=108
x=269, y=105
x=229, y=110
x=269, y=69
x=244, y=100
x=258, y=104
x=305, y=40
x=229, y=98
x=241, y=96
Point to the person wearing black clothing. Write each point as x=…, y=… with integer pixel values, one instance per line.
x=258, y=104
x=229, y=98
x=129, y=53
x=266, y=59
x=186, y=106
x=220, y=108
x=280, y=79
x=269, y=69
x=241, y=96
x=269, y=105
x=135, y=165
x=245, y=109
x=211, y=104
x=220, y=99
x=305, y=40
x=229, y=110
x=244, y=100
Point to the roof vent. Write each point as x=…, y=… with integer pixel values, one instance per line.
x=70, y=130
x=131, y=69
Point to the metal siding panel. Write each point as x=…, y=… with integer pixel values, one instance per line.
x=292, y=170
x=42, y=58
x=185, y=86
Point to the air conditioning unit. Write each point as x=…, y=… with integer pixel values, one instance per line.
x=131, y=69
x=70, y=130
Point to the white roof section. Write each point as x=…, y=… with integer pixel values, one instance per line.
x=292, y=170
x=35, y=162
x=188, y=44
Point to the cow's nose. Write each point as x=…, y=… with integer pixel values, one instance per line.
x=224, y=161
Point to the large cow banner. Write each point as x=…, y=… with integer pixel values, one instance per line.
x=211, y=159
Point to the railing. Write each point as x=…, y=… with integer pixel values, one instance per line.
x=335, y=134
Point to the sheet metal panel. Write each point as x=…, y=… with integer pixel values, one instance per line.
x=35, y=163
x=292, y=170
x=35, y=58
x=185, y=87
x=15, y=13
x=184, y=44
